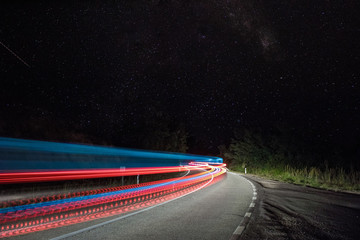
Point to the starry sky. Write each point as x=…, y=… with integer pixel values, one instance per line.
x=102, y=67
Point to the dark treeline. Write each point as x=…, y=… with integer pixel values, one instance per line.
x=286, y=155
x=280, y=146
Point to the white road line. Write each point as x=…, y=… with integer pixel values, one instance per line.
x=125, y=216
x=239, y=230
x=242, y=225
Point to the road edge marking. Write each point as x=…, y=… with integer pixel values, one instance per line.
x=240, y=229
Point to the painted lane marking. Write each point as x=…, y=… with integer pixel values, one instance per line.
x=239, y=230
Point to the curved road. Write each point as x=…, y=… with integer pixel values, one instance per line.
x=213, y=212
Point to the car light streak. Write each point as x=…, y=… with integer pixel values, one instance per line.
x=41, y=216
x=33, y=156
x=12, y=203
x=46, y=162
x=42, y=176
x=126, y=192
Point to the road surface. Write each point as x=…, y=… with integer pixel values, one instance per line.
x=213, y=212
x=288, y=211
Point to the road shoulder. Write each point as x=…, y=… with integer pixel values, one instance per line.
x=287, y=211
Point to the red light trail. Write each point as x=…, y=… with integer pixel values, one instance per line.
x=32, y=215
x=46, y=176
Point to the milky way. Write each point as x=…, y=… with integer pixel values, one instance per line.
x=249, y=18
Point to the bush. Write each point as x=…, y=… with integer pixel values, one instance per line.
x=274, y=155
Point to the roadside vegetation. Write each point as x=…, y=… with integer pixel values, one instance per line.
x=330, y=178
x=278, y=155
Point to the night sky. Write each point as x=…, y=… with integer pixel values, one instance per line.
x=103, y=68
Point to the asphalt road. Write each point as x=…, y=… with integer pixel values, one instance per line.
x=288, y=211
x=213, y=212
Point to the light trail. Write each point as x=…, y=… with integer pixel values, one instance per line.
x=28, y=215
x=46, y=215
x=41, y=176
x=40, y=156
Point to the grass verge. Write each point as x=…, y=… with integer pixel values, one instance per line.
x=329, y=178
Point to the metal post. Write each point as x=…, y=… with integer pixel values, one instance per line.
x=122, y=169
x=137, y=179
x=245, y=170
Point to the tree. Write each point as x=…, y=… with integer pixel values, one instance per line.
x=257, y=149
